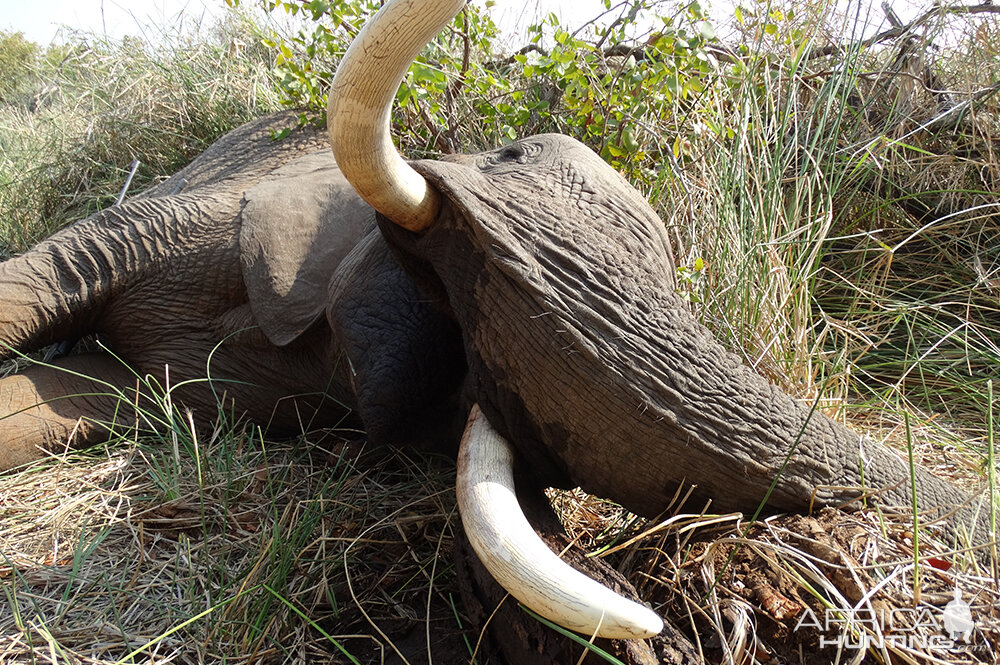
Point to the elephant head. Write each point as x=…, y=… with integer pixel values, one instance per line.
x=580, y=353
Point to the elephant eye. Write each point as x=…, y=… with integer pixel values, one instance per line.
x=515, y=153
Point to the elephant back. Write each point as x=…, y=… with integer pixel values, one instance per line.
x=248, y=152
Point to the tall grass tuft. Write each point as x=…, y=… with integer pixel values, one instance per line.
x=840, y=230
x=85, y=110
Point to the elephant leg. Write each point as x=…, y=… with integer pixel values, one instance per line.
x=48, y=408
x=403, y=358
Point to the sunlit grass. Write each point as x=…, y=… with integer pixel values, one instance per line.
x=95, y=106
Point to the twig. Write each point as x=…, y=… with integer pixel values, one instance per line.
x=511, y=59
x=602, y=15
x=455, y=87
x=128, y=182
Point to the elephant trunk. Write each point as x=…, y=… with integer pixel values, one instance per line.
x=63, y=287
x=360, y=103
x=52, y=293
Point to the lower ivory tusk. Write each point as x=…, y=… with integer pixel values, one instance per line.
x=519, y=560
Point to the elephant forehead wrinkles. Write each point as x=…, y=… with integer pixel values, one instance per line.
x=551, y=165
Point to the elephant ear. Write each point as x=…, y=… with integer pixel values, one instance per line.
x=297, y=225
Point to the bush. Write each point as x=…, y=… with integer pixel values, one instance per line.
x=18, y=57
x=464, y=94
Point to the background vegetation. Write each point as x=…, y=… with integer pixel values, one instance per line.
x=831, y=187
x=74, y=116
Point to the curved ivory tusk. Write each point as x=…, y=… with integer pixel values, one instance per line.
x=519, y=560
x=360, y=103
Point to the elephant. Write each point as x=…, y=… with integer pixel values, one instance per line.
x=530, y=288
x=229, y=278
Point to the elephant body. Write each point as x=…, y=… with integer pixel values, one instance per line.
x=227, y=279
x=545, y=288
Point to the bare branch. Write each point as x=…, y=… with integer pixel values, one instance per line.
x=890, y=14
x=902, y=29
x=954, y=115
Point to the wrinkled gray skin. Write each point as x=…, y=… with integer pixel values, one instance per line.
x=234, y=274
x=557, y=273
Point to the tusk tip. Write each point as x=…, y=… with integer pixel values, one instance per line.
x=648, y=624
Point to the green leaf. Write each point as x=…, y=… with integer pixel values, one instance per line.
x=428, y=76
x=628, y=140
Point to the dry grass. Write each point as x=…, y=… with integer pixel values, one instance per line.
x=92, y=107
x=286, y=553
x=301, y=551
x=829, y=588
